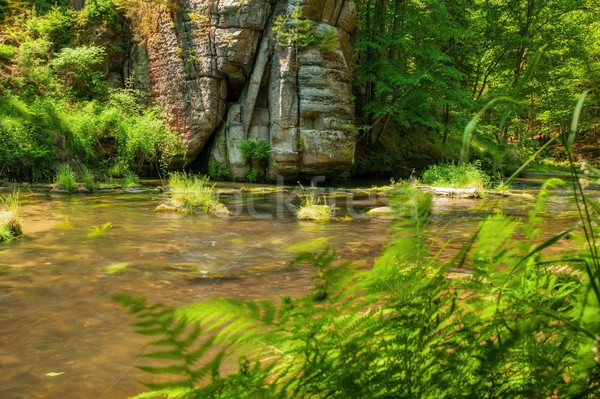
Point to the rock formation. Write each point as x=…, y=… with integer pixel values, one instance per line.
x=228, y=71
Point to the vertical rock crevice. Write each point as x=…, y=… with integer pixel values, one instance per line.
x=218, y=74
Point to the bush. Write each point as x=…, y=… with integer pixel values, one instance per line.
x=26, y=149
x=129, y=180
x=456, y=176
x=80, y=69
x=7, y=52
x=258, y=151
x=55, y=26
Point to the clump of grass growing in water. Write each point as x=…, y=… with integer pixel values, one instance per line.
x=313, y=207
x=65, y=179
x=466, y=175
x=87, y=178
x=193, y=194
x=10, y=217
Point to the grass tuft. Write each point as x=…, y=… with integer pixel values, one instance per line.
x=10, y=217
x=456, y=176
x=65, y=179
x=193, y=194
x=313, y=207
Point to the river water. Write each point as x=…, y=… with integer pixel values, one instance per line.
x=61, y=334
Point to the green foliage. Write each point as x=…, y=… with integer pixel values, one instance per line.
x=329, y=41
x=457, y=176
x=253, y=176
x=176, y=344
x=295, y=31
x=65, y=179
x=55, y=26
x=262, y=151
x=87, y=178
x=99, y=12
x=26, y=150
x=10, y=217
x=7, y=52
x=129, y=180
x=258, y=151
x=192, y=193
x=520, y=324
x=313, y=207
x=217, y=172
x=247, y=147
x=128, y=136
x=80, y=69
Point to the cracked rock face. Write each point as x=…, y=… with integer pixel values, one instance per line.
x=221, y=75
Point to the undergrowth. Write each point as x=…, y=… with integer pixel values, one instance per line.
x=519, y=322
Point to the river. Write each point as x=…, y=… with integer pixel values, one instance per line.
x=61, y=334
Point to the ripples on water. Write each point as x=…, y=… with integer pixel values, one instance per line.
x=61, y=336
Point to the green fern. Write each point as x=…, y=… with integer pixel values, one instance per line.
x=177, y=346
x=510, y=327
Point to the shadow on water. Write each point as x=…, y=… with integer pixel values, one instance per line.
x=61, y=335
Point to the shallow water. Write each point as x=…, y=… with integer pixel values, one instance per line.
x=61, y=335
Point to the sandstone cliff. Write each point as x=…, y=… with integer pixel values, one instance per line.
x=228, y=71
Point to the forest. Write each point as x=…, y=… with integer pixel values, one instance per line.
x=364, y=290
x=422, y=70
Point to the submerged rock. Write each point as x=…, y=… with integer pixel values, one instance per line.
x=381, y=210
x=320, y=213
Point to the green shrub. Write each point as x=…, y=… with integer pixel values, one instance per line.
x=456, y=176
x=122, y=133
x=33, y=62
x=217, y=172
x=129, y=180
x=255, y=150
x=294, y=30
x=253, y=176
x=247, y=147
x=262, y=151
x=10, y=217
x=80, y=70
x=26, y=149
x=55, y=26
x=7, y=52
x=329, y=40
x=65, y=179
